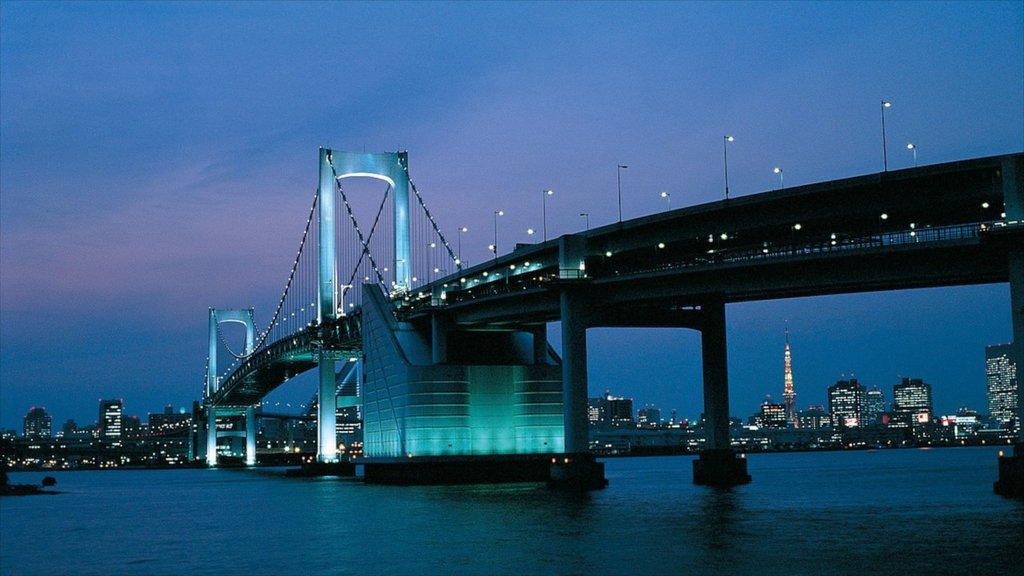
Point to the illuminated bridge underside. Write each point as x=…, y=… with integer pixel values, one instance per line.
x=934, y=226
x=286, y=358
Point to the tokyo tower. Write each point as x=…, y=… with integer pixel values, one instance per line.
x=788, y=394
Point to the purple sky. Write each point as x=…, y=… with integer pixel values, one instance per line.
x=159, y=159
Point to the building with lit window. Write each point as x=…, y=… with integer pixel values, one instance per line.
x=648, y=417
x=912, y=402
x=1003, y=390
x=845, y=402
x=814, y=418
x=874, y=406
x=110, y=420
x=38, y=424
x=773, y=415
x=610, y=411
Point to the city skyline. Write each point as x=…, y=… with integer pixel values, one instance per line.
x=889, y=403
x=184, y=168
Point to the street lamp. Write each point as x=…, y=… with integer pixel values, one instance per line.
x=668, y=198
x=913, y=149
x=494, y=247
x=587, y=216
x=885, y=154
x=461, y=230
x=618, y=184
x=778, y=171
x=725, y=154
x=544, y=202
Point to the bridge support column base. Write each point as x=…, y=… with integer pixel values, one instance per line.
x=456, y=470
x=720, y=467
x=577, y=473
x=1011, y=474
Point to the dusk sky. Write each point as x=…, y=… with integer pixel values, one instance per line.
x=157, y=159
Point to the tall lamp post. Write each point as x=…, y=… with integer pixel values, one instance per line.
x=778, y=171
x=668, y=199
x=885, y=151
x=618, y=185
x=544, y=203
x=725, y=154
x=494, y=247
x=461, y=230
x=913, y=149
x=587, y=216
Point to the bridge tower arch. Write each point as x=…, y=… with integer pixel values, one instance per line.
x=392, y=167
x=217, y=317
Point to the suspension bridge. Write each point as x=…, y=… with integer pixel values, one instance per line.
x=456, y=375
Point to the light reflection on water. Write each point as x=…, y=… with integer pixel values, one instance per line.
x=916, y=511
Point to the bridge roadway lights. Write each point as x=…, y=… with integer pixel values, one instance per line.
x=1011, y=474
x=576, y=473
x=720, y=467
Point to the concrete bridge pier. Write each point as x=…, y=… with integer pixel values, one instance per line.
x=250, y=436
x=327, y=417
x=718, y=464
x=576, y=469
x=1011, y=466
x=211, y=436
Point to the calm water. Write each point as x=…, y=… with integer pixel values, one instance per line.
x=906, y=511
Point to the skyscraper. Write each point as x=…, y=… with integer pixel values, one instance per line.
x=38, y=424
x=912, y=401
x=874, y=406
x=110, y=420
x=845, y=400
x=788, y=394
x=1003, y=390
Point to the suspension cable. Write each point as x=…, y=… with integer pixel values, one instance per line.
x=437, y=230
x=280, y=304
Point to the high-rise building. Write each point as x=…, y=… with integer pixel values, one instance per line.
x=110, y=420
x=620, y=410
x=1003, y=389
x=874, y=406
x=38, y=424
x=845, y=400
x=773, y=415
x=610, y=411
x=788, y=394
x=648, y=417
x=814, y=417
x=912, y=402
x=70, y=427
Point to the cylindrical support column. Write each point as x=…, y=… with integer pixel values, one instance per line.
x=211, y=436
x=439, y=326
x=1013, y=204
x=327, y=426
x=716, y=376
x=250, y=436
x=540, y=344
x=574, y=373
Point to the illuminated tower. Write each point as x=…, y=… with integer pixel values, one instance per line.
x=788, y=394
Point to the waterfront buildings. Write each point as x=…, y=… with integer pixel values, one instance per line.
x=773, y=415
x=38, y=424
x=912, y=402
x=610, y=411
x=110, y=420
x=845, y=402
x=1002, y=376
x=874, y=406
